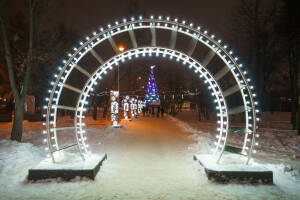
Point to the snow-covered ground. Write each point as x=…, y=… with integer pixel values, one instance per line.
x=275, y=132
x=149, y=158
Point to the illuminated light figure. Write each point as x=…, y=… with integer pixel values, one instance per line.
x=140, y=106
x=135, y=106
x=152, y=96
x=132, y=107
x=126, y=107
x=114, y=107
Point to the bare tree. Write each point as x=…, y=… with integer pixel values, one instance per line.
x=253, y=32
x=289, y=31
x=18, y=93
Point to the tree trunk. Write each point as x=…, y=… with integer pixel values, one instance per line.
x=293, y=83
x=17, y=129
x=199, y=112
x=298, y=119
x=95, y=111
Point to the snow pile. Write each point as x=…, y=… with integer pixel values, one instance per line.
x=15, y=154
x=286, y=180
x=15, y=160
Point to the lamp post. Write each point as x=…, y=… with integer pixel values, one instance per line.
x=121, y=48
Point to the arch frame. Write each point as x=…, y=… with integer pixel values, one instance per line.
x=159, y=23
x=163, y=52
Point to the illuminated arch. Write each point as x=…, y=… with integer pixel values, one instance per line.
x=197, y=35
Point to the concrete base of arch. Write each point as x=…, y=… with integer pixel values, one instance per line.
x=234, y=172
x=47, y=170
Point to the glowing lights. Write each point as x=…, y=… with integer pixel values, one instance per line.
x=163, y=24
x=121, y=48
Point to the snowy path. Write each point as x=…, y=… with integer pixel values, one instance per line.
x=148, y=159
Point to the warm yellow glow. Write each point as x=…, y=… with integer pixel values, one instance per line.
x=121, y=48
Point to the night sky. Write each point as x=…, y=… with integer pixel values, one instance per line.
x=86, y=16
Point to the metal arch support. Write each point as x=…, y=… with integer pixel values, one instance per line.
x=153, y=34
x=192, y=45
x=113, y=44
x=83, y=71
x=222, y=72
x=209, y=56
x=238, y=109
x=64, y=107
x=233, y=90
x=132, y=37
x=96, y=55
x=70, y=87
x=173, y=38
x=64, y=128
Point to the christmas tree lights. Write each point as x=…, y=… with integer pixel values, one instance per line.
x=152, y=96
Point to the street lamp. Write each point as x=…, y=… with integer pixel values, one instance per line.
x=121, y=48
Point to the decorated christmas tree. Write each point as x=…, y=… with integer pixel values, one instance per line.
x=152, y=96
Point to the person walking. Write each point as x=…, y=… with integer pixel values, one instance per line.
x=147, y=111
x=162, y=110
x=144, y=111
x=152, y=109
